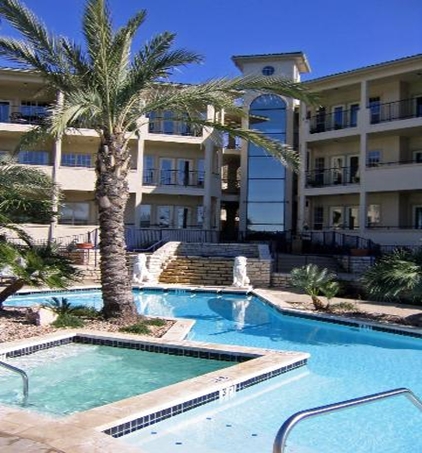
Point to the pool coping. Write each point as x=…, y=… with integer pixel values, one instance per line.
x=84, y=432
x=81, y=432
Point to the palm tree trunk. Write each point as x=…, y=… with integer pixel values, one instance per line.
x=318, y=304
x=11, y=289
x=112, y=193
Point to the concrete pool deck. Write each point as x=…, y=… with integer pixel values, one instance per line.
x=83, y=432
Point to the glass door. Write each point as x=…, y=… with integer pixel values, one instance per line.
x=184, y=172
x=353, y=169
x=166, y=172
x=336, y=217
x=337, y=170
x=182, y=217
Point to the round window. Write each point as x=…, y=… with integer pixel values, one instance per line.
x=268, y=70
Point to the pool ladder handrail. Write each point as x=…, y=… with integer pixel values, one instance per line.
x=285, y=429
x=24, y=378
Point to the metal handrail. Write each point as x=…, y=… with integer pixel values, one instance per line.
x=281, y=438
x=24, y=378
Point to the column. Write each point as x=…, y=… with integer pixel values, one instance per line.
x=57, y=157
x=208, y=179
x=143, y=129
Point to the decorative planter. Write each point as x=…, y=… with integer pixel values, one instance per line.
x=84, y=245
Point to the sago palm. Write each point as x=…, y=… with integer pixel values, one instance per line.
x=35, y=266
x=315, y=282
x=108, y=88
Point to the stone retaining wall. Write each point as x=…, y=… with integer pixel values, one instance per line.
x=212, y=264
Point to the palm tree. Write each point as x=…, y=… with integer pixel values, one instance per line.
x=34, y=266
x=315, y=281
x=25, y=195
x=397, y=275
x=107, y=88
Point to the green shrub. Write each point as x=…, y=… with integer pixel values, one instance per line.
x=140, y=328
x=155, y=322
x=85, y=312
x=67, y=320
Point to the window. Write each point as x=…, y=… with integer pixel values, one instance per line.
x=149, y=170
x=268, y=70
x=352, y=217
x=164, y=216
x=33, y=157
x=33, y=108
x=418, y=106
x=4, y=111
x=375, y=109
x=337, y=170
x=417, y=157
x=373, y=215
x=166, y=171
x=74, y=213
x=338, y=117
x=265, y=203
x=184, y=172
x=318, y=218
x=201, y=172
x=354, y=109
x=182, y=217
x=353, y=169
x=76, y=160
x=200, y=216
x=373, y=158
x=417, y=217
x=336, y=217
x=145, y=216
x=319, y=171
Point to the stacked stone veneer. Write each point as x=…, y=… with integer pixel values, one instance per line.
x=209, y=264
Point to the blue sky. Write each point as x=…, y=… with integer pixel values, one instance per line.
x=335, y=35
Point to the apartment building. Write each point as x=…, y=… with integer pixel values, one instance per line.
x=361, y=152
x=174, y=181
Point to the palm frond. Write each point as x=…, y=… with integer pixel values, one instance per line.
x=32, y=28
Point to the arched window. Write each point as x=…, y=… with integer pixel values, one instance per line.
x=266, y=175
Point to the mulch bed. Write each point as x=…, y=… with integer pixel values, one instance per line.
x=15, y=326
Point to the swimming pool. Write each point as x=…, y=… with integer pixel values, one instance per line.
x=77, y=377
x=346, y=362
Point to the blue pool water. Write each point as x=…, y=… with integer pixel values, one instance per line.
x=345, y=363
x=79, y=377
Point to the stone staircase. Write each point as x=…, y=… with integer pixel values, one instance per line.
x=288, y=262
x=207, y=264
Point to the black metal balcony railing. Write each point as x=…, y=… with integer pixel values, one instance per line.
x=392, y=163
x=154, y=177
x=398, y=110
x=332, y=176
x=172, y=127
x=322, y=121
x=230, y=186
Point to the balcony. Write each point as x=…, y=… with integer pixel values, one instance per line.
x=172, y=127
x=154, y=177
x=341, y=119
x=332, y=177
x=393, y=176
x=393, y=111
